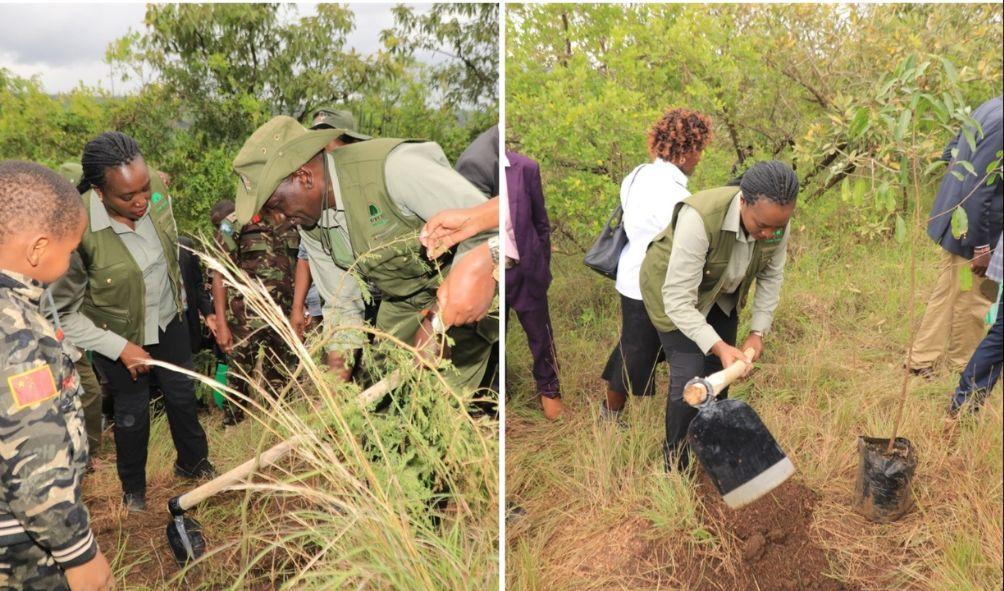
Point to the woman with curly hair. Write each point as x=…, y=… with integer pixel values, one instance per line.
x=649, y=196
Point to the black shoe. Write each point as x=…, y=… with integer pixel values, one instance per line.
x=202, y=471
x=514, y=514
x=924, y=372
x=612, y=417
x=134, y=502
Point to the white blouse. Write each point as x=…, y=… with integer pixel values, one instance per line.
x=648, y=195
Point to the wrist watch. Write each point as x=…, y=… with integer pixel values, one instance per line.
x=493, y=248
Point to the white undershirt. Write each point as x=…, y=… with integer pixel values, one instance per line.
x=648, y=205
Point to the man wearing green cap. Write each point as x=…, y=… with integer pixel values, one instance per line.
x=360, y=208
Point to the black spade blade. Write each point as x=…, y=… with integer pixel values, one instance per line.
x=737, y=451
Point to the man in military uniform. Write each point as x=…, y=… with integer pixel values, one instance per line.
x=360, y=209
x=266, y=251
x=46, y=542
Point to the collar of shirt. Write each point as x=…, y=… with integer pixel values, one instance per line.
x=101, y=220
x=673, y=170
x=22, y=286
x=732, y=220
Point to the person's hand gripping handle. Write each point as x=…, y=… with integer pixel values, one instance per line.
x=696, y=391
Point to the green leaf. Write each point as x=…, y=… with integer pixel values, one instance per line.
x=949, y=103
x=860, y=187
x=965, y=278
x=885, y=87
x=900, y=229
x=904, y=123
x=950, y=71
x=967, y=165
x=858, y=124
x=845, y=190
x=904, y=171
x=888, y=200
x=960, y=222
x=932, y=167
x=908, y=65
x=967, y=132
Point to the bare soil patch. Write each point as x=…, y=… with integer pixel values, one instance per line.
x=775, y=546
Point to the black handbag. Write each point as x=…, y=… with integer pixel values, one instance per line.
x=605, y=254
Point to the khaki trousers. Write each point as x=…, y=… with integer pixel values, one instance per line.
x=953, y=321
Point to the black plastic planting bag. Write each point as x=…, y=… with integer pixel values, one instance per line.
x=882, y=491
x=737, y=451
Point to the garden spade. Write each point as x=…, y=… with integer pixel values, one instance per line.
x=733, y=445
x=184, y=534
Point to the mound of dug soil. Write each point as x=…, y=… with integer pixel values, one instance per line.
x=777, y=551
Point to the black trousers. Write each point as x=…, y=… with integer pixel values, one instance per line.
x=686, y=361
x=132, y=407
x=631, y=366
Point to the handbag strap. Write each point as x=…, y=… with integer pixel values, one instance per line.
x=620, y=207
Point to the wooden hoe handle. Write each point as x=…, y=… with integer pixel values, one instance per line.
x=696, y=390
x=271, y=455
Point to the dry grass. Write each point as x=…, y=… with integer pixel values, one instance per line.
x=602, y=515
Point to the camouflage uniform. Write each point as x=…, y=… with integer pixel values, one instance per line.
x=44, y=526
x=268, y=255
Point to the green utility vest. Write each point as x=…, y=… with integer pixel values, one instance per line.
x=712, y=204
x=383, y=243
x=115, y=298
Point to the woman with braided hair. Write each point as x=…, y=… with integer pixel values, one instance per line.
x=648, y=197
x=696, y=276
x=123, y=299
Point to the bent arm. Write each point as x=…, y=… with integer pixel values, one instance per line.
x=68, y=294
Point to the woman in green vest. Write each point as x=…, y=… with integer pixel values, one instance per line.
x=696, y=276
x=123, y=299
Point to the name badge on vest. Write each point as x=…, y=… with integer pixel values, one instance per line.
x=159, y=201
x=778, y=234
x=377, y=217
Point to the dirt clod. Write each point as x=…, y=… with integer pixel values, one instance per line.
x=776, y=536
x=754, y=547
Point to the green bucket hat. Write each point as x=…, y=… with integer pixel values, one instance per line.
x=326, y=117
x=71, y=171
x=272, y=153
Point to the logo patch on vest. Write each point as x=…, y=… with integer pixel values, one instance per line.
x=158, y=201
x=34, y=385
x=377, y=217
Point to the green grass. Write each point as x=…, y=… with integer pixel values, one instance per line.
x=831, y=371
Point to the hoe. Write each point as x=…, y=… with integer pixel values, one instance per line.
x=184, y=534
x=733, y=445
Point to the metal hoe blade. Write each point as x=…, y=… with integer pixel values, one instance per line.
x=184, y=535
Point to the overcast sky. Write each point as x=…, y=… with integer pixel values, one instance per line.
x=65, y=43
